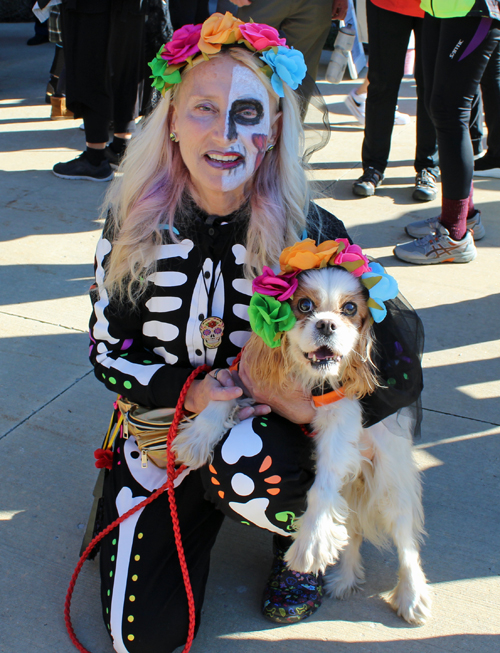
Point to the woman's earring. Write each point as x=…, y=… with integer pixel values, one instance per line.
x=173, y=137
x=269, y=148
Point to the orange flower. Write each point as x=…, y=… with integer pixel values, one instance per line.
x=219, y=30
x=306, y=256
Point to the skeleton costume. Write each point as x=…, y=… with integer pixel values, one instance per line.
x=261, y=470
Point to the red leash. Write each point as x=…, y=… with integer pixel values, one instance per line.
x=172, y=474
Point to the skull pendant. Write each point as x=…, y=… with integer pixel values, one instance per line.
x=211, y=331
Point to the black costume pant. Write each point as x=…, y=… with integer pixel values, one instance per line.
x=389, y=35
x=103, y=49
x=490, y=92
x=456, y=52
x=260, y=474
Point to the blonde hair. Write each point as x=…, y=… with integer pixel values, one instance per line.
x=155, y=180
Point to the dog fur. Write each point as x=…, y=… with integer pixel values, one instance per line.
x=352, y=497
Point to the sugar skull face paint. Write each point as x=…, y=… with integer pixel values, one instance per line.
x=247, y=126
x=224, y=119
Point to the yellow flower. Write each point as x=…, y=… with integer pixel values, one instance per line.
x=219, y=30
x=304, y=255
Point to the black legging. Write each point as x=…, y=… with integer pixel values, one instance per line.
x=455, y=53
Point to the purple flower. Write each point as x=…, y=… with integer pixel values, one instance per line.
x=282, y=287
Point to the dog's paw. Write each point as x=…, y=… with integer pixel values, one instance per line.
x=310, y=554
x=411, y=601
x=192, y=447
x=341, y=582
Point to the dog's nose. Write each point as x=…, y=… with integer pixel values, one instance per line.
x=325, y=327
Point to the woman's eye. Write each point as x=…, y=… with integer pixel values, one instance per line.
x=204, y=107
x=305, y=305
x=248, y=114
x=349, y=309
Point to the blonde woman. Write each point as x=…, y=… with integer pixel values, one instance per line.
x=212, y=190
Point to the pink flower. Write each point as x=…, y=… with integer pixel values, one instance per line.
x=261, y=36
x=184, y=44
x=352, y=258
x=282, y=287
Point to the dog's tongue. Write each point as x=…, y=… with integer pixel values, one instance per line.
x=321, y=353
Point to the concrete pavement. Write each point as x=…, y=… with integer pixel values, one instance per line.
x=53, y=413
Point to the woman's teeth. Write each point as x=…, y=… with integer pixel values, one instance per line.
x=223, y=157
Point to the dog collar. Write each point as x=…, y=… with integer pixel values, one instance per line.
x=328, y=397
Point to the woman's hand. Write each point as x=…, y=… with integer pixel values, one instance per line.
x=222, y=388
x=294, y=405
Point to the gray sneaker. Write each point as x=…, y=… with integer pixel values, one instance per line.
x=422, y=228
x=425, y=186
x=438, y=248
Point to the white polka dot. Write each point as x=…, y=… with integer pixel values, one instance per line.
x=242, y=484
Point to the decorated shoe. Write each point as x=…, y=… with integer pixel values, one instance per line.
x=290, y=596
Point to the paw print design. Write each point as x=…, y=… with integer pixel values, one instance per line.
x=243, y=479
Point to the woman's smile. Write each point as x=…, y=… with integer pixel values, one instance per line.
x=224, y=161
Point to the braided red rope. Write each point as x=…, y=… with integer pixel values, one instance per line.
x=172, y=474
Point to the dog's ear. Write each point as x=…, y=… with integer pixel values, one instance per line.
x=359, y=374
x=267, y=365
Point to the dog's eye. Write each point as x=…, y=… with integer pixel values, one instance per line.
x=305, y=305
x=349, y=309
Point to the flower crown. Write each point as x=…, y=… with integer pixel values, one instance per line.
x=269, y=311
x=282, y=63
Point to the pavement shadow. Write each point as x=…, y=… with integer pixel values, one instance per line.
x=35, y=283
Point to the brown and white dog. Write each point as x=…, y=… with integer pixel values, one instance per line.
x=352, y=496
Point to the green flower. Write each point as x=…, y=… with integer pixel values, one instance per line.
x=269, y=318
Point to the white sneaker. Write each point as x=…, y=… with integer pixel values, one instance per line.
x=401, y=118
x=356, y=105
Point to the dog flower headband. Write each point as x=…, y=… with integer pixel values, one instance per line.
x=269, y=311
x=282, y=63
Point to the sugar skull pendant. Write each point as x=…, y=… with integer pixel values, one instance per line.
x=211, y=331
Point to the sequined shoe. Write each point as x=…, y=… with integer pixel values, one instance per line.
x=290, y=596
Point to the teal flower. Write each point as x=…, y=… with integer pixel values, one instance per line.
x=287, y=66
x=269, y=318
x=381, y=287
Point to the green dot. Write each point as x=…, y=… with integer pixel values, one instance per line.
x=109, y=626
x=123, y=355
x=107, y=610
x=135, y=577
x=113, y=542
x=146, y=362
x=391, y=381
x=263, y=424
x=113, y=558
x=112, y=380
x=246, y=522
x=127, y=384
x=103, y=376
x=110, y=574
x=109, y=592
x=405, y=375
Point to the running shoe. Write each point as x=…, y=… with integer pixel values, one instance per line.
x=81, y=168
x=422, y=228
x=357, y=106
x=487, y=166
x=438, y=248
x=425, y=186
x=370, y=180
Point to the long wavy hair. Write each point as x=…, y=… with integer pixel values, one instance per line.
x=155, y=181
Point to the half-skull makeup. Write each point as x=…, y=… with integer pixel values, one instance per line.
x=247, y=126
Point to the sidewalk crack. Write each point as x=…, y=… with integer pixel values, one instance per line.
x=44, y=405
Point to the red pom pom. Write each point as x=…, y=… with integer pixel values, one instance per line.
x=103, y=458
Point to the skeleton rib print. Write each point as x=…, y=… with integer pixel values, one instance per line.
x=147, y=353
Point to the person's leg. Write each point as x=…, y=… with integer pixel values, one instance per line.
x=426, y=154
x=144, y=600
x=388, y=34
x=457, y=50
x=490, y=88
